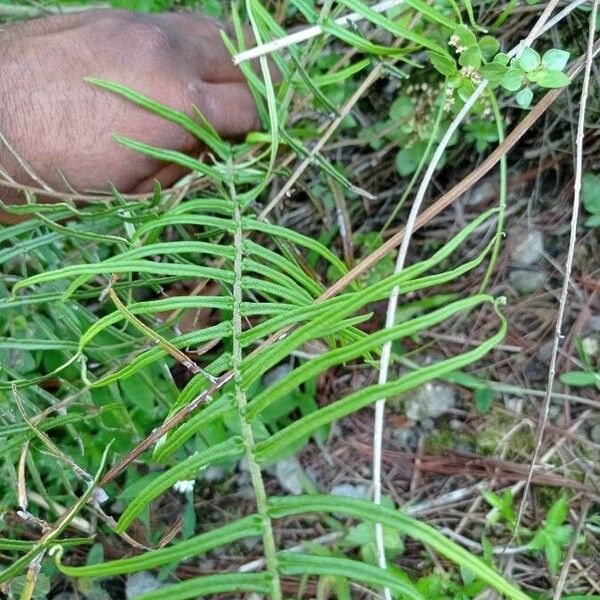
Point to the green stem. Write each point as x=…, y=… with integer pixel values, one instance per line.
x=503, y=194
x=260, y=493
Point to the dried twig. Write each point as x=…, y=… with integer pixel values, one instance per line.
x=558, y=336
x=401, y=259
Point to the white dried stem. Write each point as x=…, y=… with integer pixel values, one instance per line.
x=306, y=34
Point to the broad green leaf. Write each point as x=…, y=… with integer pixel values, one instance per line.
x=524, y=98
x=466, y=36
x=471, y=57
x=580, y=378
x=590, y=192
x=551, y=79
x=493, y=72
x=443, y=63
x=529, y=60
x=556, y=59
x=512, y=80
x=489, y=46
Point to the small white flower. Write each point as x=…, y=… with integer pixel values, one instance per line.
x=472, y=73
x=455, y=42
x=184, y=486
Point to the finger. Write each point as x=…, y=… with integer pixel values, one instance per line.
x=205, y=53
x=228, y=107
x=200, y=44
x=167, y=176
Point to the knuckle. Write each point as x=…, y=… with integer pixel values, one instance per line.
x=146, y=36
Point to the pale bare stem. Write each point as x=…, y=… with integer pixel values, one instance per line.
x=393, y=300
x=391, y=313
x=52, y=447
x=21, y=488
x=24, y=165
x=562, y=579
x=558, y=336
x=561, y=15
x=306, y=34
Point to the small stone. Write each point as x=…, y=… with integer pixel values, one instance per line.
x=456, y=425
x=290, y=475
x=592, y=325
x=213, y=473
x=429, y=401
x=349, y=490
x=512, y=404
x=486, y=190
x=250, y=543
x=141, y=583
x=526, y=246
x=590, y=345
x=405, y=436
x=527, y=281
x=595, y=433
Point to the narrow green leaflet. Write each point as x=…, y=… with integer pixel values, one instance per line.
x=367, y=511
x=194, y=547
x=231, y=448
x=291, y=563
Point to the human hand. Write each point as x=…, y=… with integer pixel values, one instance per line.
x=61, y=126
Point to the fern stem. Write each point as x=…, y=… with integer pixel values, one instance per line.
x=260, y=493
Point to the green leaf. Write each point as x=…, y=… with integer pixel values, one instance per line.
x=502, y=59
x=402, y=106
x=556, y=59
x=558, y=512
x=407, y=161
x=471, y=57
x=553, y=554
x=183, y=470
x=442, y=63
x=249, y=526
x=593, y=221
x=524, y=98
x=292, y=563
x=551, y=79
x=209, y=586
x=529, y=60
x=590, y=192
x=483, y=400
x=489, y=46
x=466, y=36
x=365, y=510
x=493, y=72
x=269, y=449
x=579, y=378
x=512, y=80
